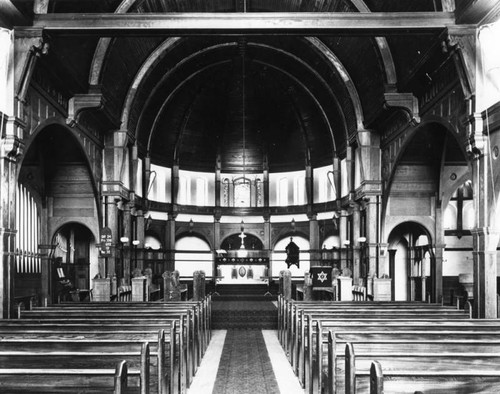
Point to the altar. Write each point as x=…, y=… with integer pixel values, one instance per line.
x=237, y=270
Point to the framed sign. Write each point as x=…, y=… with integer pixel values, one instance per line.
x=106, y=239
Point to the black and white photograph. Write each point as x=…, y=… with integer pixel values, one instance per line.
x=250, y=196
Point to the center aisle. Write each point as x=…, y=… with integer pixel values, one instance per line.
x=245, y=361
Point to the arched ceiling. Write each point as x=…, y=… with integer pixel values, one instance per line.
x=184, y=100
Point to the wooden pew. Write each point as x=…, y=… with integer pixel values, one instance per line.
x=22, y=352
x=201, y=310
x=295, y=336
x=192, y=325
x=290, y=325
x=112, y=330
x=287, y=310
x=116, y=380
x=439, y=378
x=393, y=352
x=312, y=350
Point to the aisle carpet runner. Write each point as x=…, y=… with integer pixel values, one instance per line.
x=245, y=366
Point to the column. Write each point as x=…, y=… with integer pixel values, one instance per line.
x=139, y=236
x=127, y=232
x=485, y=273
x=267, y=242
x=344, y=237
x=112, y=221
x=315, y=252
x=170, y=243
x=45, y=251
x=356, y=231
x=10, y=150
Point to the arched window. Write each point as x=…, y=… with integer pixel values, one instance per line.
x=193, y=254
x=279, y=256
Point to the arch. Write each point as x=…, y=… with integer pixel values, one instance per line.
x=278, y=255
x=74, y=252
x=187, y=79
x=40, y=129
x=429, y=121
x=426, y=122
x=411, y=257
x=193, y=253
x=233, y=242
x=163, y=49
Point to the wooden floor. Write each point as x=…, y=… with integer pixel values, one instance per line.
x=204, y=379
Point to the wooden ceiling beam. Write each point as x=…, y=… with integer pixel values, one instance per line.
x=296, y=23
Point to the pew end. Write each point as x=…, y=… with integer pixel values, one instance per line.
x=377, y=379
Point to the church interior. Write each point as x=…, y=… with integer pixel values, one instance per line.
x=302, y=162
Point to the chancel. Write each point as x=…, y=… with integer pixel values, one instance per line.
x=249, y=196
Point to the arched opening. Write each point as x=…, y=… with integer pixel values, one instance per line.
x=56, y=208
x=279, y=256
x=242, y=260
x=411, y=262
x=73, y=262
x=193, y=253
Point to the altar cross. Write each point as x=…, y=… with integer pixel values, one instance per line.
x=242, y=236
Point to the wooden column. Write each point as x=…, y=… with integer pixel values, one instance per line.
x=170, y=243
x=140, y=236
x=10, y=149
x=112, y=221
x=485, y=241
x=127, y=232
x=343, y=238
x=315, y=252
x=356, y=263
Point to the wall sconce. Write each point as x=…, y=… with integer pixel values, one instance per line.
x=136, y=242
x=347, y=242
x=362, y=240
x=124, y=240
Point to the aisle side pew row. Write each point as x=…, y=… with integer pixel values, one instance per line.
x=170, y=364
x=406, y=351
x=201, y=317
x=289, y=311
x=293, y=336
x=385, y=377
x=316, y=332
x=144, y=359
x=191, y=330
x=117, y=380
x=295, y=345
